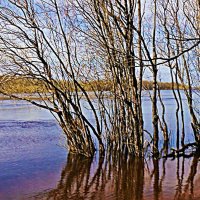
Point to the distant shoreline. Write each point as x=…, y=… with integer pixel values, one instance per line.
x=32, y=96
x=2, y=98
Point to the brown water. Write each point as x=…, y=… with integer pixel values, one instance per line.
x=125, y=178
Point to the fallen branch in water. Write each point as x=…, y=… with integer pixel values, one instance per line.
x=181, y=152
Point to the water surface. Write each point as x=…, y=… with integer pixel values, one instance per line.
x=32, y=154
x=35, y=165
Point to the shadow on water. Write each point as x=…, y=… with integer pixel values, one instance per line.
x=119, y=177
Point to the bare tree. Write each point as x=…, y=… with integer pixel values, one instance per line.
x=65, y=45
x=181, y=32
x=39, y=42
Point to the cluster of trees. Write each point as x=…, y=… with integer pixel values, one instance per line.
x=91, y=40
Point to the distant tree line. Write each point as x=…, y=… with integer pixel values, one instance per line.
x=31, y=86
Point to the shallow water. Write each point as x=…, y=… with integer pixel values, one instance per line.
x=127, y=179
x=31, y=152
x=35, y=165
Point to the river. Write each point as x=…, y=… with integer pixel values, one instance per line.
x=34, y=163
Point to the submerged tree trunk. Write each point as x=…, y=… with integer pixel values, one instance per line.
x=155, y=117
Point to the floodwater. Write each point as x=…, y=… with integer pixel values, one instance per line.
x=34, y=163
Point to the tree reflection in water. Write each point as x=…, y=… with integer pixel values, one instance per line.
x=120, y=177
